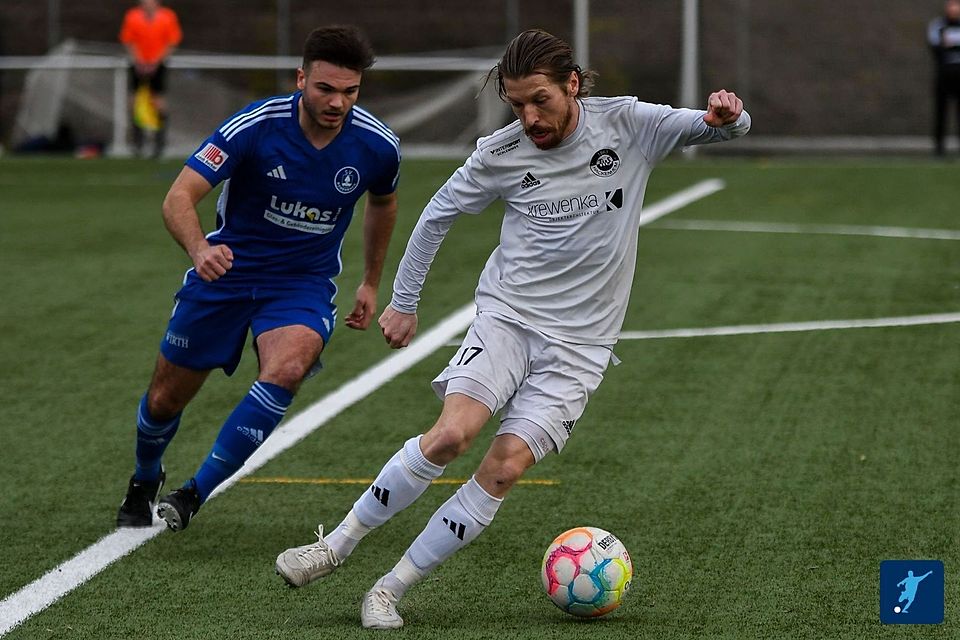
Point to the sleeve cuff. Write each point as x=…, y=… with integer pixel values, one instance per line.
x=403, y=306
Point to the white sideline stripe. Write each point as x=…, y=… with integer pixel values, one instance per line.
x=60, y=580
x=680, y=199
x=818, y=325
x=822, y=229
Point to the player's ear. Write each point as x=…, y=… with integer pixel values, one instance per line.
x=573, y=84
x=301, y=78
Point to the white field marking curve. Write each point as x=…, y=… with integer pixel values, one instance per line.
x=64, y=578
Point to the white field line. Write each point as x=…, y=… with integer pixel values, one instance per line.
x=59, y=581
x=680, y=199
x=786, y=327
x=821, y=229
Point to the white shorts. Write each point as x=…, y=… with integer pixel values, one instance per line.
x=540, y=385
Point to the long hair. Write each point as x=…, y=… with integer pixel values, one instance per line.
x=536, y=51
x=341, y=45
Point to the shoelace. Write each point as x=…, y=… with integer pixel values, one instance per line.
x=317, y=553
x=382, y=600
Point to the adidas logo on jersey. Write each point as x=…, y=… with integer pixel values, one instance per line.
x=528, y=181
x=278, y=173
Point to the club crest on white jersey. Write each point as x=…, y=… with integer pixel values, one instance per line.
x=605, y=163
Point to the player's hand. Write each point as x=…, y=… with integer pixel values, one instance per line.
x=211, y=262
x=363, y=308
x=398, y=328
x=723, y=107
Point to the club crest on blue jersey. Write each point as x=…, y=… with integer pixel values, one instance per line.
x=346, y=179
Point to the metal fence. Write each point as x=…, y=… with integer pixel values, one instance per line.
x=815, y=75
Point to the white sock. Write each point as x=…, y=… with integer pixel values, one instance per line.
x=455, y=524
x=401, y=577
x=348, y=534
x=401, y=481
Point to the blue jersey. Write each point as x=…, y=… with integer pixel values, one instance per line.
x=286, y=205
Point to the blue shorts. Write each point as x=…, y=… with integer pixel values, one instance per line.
x=209, y=324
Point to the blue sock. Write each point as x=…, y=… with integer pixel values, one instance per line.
x=152, y=440
x=244, y=431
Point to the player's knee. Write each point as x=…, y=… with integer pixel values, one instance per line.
x=510, y=470
x=288, y=375
x=444, y=443
x=499, y=475
x=507, y=461
x=163, y=403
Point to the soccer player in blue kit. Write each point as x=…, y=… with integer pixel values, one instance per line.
x=293, y=168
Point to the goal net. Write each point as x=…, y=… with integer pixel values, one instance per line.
x=434, y=103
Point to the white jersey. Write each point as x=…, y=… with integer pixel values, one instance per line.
x=568, y=242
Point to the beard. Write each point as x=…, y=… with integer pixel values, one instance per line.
x=555, y=136
x=317, y=115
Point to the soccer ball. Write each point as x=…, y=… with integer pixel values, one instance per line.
x=586, y=571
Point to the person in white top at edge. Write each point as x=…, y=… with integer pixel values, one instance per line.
x=571, y=172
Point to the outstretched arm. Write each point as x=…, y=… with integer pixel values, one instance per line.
x=662, y=129
x=379, y=216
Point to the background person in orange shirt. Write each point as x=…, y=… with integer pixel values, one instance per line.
x=150, y=33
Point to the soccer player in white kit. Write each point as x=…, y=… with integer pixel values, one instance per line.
x=571, y=172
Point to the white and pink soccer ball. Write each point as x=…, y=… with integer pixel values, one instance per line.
x=586, y=571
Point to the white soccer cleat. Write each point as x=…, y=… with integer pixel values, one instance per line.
x=300, y=566
x=379, y=609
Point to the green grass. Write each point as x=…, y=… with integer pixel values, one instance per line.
x=757, y=481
